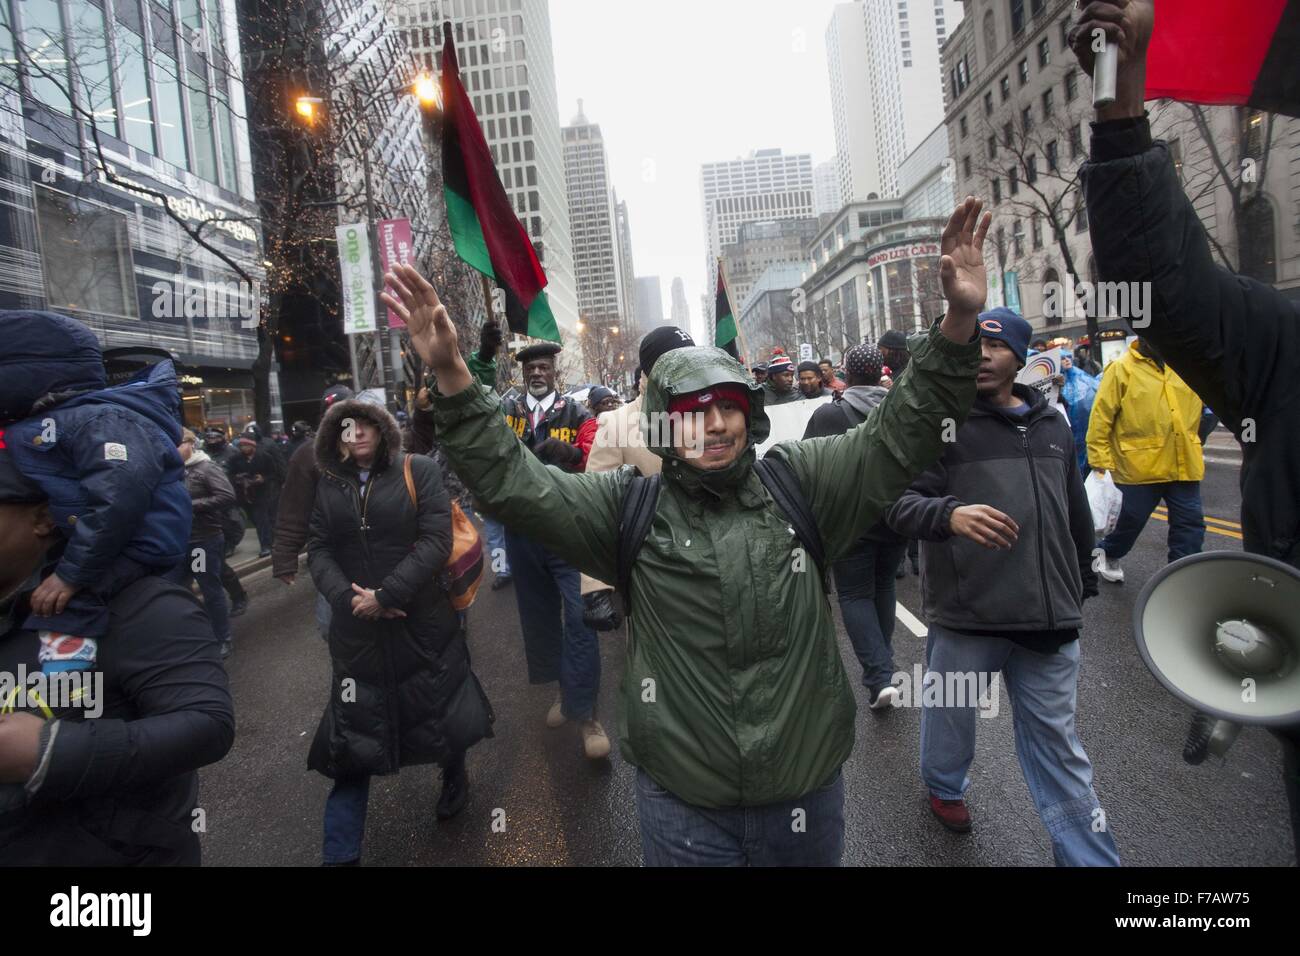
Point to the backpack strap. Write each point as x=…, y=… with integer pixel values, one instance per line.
x=410, y=481
x=782, y=484
x=640, y=501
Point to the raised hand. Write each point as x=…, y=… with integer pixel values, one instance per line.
x=961, y=268
x=433, y=336
x=1128, y=24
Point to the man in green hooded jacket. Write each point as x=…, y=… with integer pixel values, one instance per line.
x=734, y=704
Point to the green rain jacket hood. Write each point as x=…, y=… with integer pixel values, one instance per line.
x=733, y=693
x=687, y=370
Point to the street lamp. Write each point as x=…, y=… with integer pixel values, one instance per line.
x=426, y=91
x=307, y=106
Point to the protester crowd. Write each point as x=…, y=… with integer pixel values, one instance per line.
x=720, y=564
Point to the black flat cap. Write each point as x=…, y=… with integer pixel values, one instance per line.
x=540, y=350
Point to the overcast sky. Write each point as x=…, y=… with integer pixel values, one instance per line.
x=678, y=83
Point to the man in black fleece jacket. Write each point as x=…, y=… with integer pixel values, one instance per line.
x=110, y=780
x=1234, y=340
x=1004, y=583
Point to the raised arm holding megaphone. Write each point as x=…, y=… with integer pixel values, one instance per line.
x=1228, y=642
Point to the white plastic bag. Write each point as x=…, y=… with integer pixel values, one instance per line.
x=1105, y=500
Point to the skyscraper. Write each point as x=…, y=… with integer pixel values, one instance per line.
x=886, y=86
x=681, y=314
x=507, y=67
x=826, y=188
x=627, y=271
x=649, y=306
x=596, y=249
x=764, y=186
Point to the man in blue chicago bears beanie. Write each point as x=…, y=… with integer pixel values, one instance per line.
x=1003, y=324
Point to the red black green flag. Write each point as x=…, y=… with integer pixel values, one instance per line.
x=487, y=233
x=1232, y=54
x=725, y=330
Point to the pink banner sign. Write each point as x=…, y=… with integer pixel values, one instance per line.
x=395, y=247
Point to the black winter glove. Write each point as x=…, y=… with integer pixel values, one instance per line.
x=556, y=452
x=489, y=340
x=599, y=612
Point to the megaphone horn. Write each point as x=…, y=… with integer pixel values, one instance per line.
x=1221, y=631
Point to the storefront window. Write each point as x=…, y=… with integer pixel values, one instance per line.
x=227, y=128
x=902, y=306
x=86, y=254
x=229, y=409
x=47, y=65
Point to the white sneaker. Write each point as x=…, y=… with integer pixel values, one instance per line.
x=555, y=717
x=887, y=697
x=1107, y=569
x=594, y=741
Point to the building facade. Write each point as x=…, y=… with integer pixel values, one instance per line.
x=759, y=245
x=125, y=194
x=767, y=314
x=849, y=69
x=766, y=185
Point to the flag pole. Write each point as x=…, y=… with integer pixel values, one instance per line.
x=735, y=314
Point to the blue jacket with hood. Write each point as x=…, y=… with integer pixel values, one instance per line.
x=105, y=456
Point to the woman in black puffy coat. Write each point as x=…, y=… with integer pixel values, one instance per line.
x=402, y=692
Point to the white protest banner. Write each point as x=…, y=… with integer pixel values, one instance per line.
x=789, y=421
x=357, y=287
x=1039, y=371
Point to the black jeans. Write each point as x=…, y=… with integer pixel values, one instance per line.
x=864, y=584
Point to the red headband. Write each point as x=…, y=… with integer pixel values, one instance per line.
x=698, y=401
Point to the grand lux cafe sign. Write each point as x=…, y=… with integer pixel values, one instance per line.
x=911, y=250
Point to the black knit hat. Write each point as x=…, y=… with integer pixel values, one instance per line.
x=863, y=361
x=893, y=339
x=658, y=341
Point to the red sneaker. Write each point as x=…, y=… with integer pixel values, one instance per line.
x=951, y=813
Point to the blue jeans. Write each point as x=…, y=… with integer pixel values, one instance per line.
x=1043, y=690
x=345, y=815
x=675, y=833
x=1186, y=518
x=557, y=644
x=864, y=583
x=214, y=595
x=497, y=554
x=345, y=819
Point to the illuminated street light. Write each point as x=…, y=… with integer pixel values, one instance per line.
x=306, y=107
x=427, y=92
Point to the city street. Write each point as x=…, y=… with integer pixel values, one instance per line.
x=263, y=807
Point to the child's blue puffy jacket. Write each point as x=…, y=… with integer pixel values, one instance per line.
x=107, y=459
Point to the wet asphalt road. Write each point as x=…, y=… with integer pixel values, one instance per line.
x=264, y=807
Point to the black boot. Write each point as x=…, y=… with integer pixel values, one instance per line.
x=455, y=788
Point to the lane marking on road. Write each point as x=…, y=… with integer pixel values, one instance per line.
x=910, y=620
x=1209, y=527
x=1209, y=519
